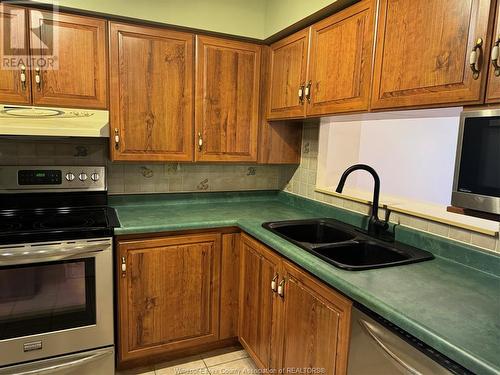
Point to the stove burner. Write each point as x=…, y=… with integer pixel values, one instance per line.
x=63, y=221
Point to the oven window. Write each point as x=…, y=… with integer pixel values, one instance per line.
x=480, y=158
x=45, y=297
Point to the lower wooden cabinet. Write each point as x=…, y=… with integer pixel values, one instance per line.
x=168, y=294
x=259, y=305
x=288, y=319
x=183, y=293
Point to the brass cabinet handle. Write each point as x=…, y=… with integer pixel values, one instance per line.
x=281, y=289
x=23, y=77
x=307, y=91
x=475, y=57
x=38, y=78
x=274, y=283
x=124, y=267
x=495, y=52
x=301, y=93
x=117, y=139
x=200, y=142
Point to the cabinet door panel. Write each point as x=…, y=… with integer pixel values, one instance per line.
x=78, y=77
x=288, y=72
x=12, y=89
x=340, y=61
x=227, y=99
x=151, y=103
x=422, y=53
x=169, y=297
x=316, y=324
x=493, y=91
x=258, y=303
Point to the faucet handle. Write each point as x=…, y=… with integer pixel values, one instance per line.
x=387, y=214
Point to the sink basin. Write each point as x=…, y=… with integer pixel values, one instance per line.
x=345, y=246
x=313, y=232
x=362, y=254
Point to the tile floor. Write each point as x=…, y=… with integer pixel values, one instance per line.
x=234, y=361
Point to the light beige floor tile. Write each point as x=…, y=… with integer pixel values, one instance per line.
x=216, y=357
x=189, y=365
x=238, y=367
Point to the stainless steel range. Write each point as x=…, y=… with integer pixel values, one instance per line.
x=56, y=284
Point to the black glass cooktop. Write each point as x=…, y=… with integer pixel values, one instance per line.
x=22, y=222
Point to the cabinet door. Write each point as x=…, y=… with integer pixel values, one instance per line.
x=258, y=302
x=168, y=294
x=227, y=99
x=151, y=94
x=288, y=74
x=423, y=49
x=340, y=61
x=15, y=84
x=493, y=91
x=316, y=324
x=73, y=72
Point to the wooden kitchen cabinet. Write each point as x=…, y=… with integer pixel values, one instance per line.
x=227, y=99
x=15, y=82
x=287, y=76
x=168, y=294
x=326, y=68
x=151, y=107
x=316, y=324
x=422, y=53
x=259, y=305
x=493, y=88
x=288, y=319
x=68, y=55
x=340, y=61
x=78, y=77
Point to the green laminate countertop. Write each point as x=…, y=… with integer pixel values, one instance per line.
x=451, y=306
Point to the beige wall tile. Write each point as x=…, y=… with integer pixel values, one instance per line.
x=460, y=234
x=483, y=240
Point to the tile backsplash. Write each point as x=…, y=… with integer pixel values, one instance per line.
x=143, y=178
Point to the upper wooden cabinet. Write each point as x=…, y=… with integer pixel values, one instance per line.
x=324, y=69
x=423, y=50
x=151, y=106
x=288, y=73
x=288, y=319
x=68, y=54
x=227, y=100
x=168, y=294
x=79, y=75
x=493, y=90
x=15, y=82
x=340, y=61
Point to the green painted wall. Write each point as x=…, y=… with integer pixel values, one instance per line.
x=283, y=13
x=237, y=17
x=251, y=18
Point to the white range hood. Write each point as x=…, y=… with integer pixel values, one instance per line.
x=57, y=122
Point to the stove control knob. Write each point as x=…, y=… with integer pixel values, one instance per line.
x=94, y=177
x=82, y=176
x=70, y=176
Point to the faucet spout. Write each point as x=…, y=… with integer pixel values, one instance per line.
x=375, y=225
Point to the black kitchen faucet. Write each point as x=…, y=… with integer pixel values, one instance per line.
x=376, y=227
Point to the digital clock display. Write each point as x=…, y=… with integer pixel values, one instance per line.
x=39, y=177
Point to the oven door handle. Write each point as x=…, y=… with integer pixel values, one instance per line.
x=27, y=254
x=66, y=365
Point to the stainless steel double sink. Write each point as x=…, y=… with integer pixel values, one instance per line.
x=345, y=246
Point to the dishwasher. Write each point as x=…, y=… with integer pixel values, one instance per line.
x=378, y=347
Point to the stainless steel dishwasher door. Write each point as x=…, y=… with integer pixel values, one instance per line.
x=375, y=350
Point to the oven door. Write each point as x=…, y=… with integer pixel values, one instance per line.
x=55, y=298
